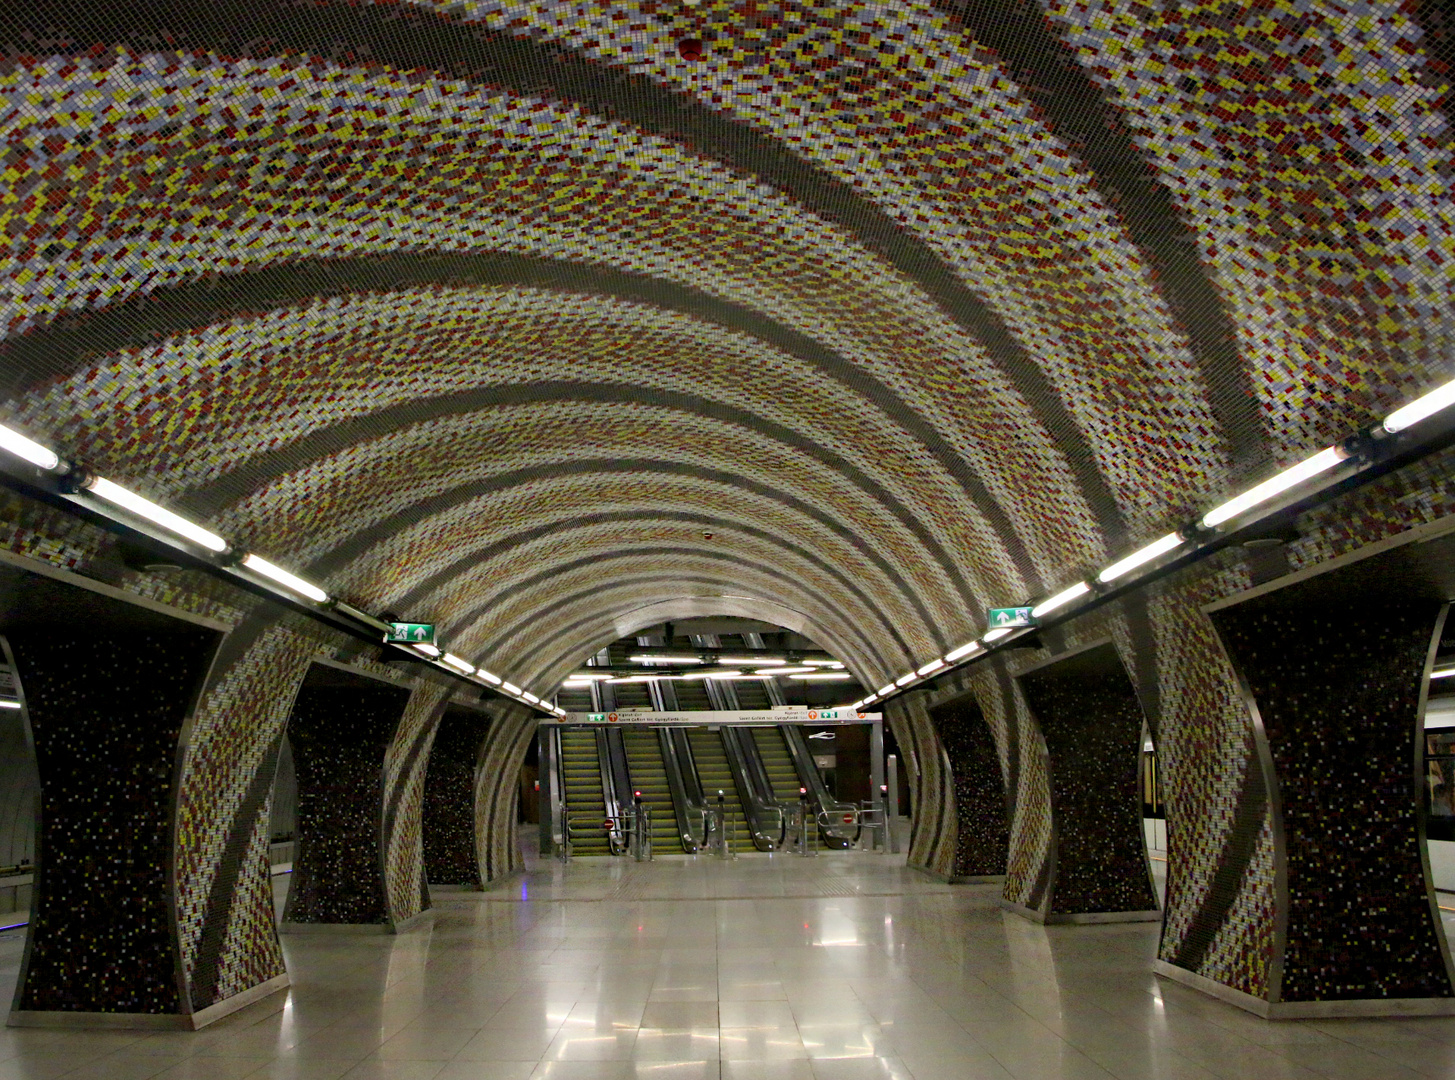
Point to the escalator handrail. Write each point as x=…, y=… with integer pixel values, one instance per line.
x=616, y=840
x=755, y=807
x=682, y=802
x=820, y=801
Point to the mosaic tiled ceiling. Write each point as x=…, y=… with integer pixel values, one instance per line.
x=490, y=311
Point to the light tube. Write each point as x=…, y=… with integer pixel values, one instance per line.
x=1139, y=557
x=784, y=671
x=493, y=680
x=591, y=676
x=823, y=663
x=1442, y=673
x=28, y=449
x=511, y=688
x=1442, y=397
x=9, y=704
x=933, y=665
x=964, y=650
x=733, y=675
x=823, y=676
x=531, y=698
x=904, y=680
x=884, y=691
x=999, y=632
x=157, y=515
x=428, y=650
x=750, y=661
x=1061, y=599
x=630, y=679
x=461, y=665
x=665, y=659
x=259, y=565
x=1321, y=462
x=577, y=684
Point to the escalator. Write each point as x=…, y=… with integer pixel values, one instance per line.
x=692, y=695
x=585, y=797
x=649, y=776
x=752, y=696
x=778, y=764
x=716, y=775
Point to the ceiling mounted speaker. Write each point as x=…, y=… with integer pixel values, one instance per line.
x=690, y=49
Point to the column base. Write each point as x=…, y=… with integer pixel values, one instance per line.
x=1305, y=1010
x=391, y=927
x=1079, y=918
x=148, y=1021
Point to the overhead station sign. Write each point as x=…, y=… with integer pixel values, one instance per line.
x=719, y=718
x=1009, y=618
x=411, y=633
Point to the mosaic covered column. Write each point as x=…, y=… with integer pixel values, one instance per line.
x=1091, y=721
x=341, y=729
x=983, y=836
x=450, y=849
x=107, y=714
x=1334, y=670
x=497, y=791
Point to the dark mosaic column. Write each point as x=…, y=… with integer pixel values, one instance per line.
x=1334, y=677
x=1091, y=721
x=106, y=715
x=451, y=855
x=340, y=729
x=982, y=837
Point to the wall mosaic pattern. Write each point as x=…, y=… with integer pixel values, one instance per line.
x=490, y=311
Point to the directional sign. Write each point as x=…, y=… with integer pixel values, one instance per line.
x=1009, y=617
x=413, y=633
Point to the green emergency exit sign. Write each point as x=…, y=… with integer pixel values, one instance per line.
x=413, y=633
x=1009, y=618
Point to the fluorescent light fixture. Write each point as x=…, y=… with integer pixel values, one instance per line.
x=823, y=663
x=8, y=704
x=590, y=676
x=630, y=679
x=933, y=665
x=1061, y=599
x=784, y=670
x=259, y=565
x=28, y=449
x=823, y=676
x=428, y=650
x=458, y=664
x=964, y=650
x=998, y=632
x=1442, y=397
x=493, y=680
x=884, y=691
x=1443, y=672
x=511, y=688
x=531, y=697
x=1140, y=556
x=157, y=515
x=855, y=705
x=904, y=680
x=665, y=659
x=1294, y=475
x=577, y=684
x=750, y=661
x=558, y=710
x=715, y=675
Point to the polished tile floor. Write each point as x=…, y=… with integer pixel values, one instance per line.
x=842, y=967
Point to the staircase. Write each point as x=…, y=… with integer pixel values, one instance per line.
x=778, y=764
x=585, y=801
x=715, y=775
x=649, y=776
